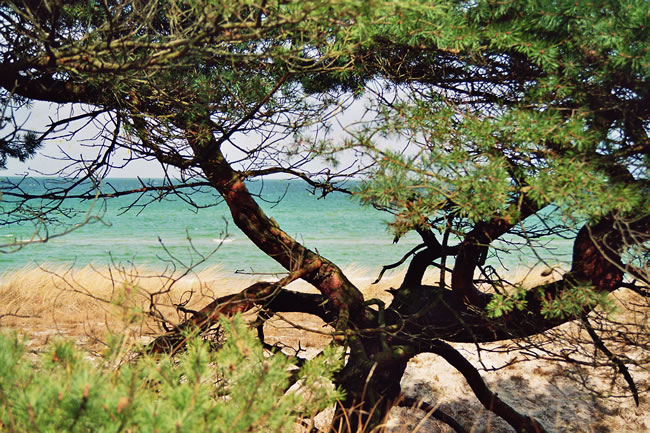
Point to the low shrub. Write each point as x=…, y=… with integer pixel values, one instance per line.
x=233, y=389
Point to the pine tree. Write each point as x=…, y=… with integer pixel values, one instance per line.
x=523, y=120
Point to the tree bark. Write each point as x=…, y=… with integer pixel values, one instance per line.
x=266, y=234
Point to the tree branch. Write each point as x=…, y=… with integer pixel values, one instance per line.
x=265, y=232
x=490, y=400
x=618, y=362
x=435, y=412
x=255, y=294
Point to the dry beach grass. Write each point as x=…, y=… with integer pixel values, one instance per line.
x=86, y=304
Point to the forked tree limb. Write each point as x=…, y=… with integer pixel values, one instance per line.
x=490, y=400
x=596, y=263
x=423, y=259
x=471, y=252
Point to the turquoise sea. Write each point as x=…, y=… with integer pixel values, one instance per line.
x=337, y=226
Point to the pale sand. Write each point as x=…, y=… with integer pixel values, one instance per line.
x=86, y=303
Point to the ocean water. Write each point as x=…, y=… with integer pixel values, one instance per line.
x=172, y=232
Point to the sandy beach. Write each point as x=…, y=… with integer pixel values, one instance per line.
x=86, y=304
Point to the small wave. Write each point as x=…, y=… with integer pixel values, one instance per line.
x=224, y=241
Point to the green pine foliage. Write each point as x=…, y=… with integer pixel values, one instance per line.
x=503, y=102
x=237, y=388
x=575, y=300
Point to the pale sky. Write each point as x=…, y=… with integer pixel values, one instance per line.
x=48, y=159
